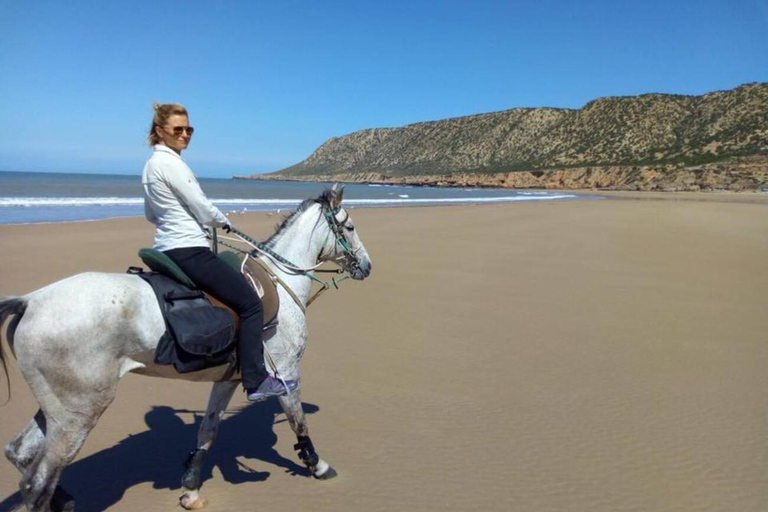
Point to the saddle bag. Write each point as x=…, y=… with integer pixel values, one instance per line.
x=198, y=334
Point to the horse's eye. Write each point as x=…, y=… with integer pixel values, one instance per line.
x=349, y=228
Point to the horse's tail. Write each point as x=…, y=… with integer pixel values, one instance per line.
x=9, y=306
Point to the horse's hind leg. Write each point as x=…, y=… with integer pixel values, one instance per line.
x=66, y=430
x=22, y=450
x=221, y=394
x=68, y=415
x=319, y=469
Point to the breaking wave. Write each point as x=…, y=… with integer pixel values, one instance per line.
x=31, y=202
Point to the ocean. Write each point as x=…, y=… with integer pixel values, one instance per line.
x=27, y=197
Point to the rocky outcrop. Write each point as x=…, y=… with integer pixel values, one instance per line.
x=647, y=142
x=742, y=174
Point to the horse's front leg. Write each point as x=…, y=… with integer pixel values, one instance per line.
x=221, y=394
x=319, y=469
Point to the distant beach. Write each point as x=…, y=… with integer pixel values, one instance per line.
x=50, y=197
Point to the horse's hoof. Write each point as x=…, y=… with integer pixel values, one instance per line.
x=195, y=502
x=329, y=473
x=62, y=501
x=324, y=471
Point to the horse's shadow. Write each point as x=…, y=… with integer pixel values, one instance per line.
x=157, y=455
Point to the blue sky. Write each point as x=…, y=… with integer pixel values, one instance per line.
x=266, y=82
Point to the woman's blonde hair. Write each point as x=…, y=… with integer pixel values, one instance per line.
x=162, y=113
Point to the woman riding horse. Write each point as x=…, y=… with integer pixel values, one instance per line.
x=174, y=202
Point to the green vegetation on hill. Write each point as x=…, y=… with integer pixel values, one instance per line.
x=650, y=129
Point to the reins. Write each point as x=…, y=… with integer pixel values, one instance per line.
x=287, y=266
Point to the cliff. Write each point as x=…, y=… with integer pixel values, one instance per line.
x=718, y=140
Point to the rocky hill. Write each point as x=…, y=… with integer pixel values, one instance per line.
x=652, y=141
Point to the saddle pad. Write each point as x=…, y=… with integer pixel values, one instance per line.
x=198, y=335
x=253, y=272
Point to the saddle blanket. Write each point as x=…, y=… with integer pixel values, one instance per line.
x=198, y=334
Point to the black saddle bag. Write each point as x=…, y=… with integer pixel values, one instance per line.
x=198, y=334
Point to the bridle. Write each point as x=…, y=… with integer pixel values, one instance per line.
x=341, y=244
x=337, y=227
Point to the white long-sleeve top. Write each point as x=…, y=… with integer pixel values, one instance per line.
x=175, y=203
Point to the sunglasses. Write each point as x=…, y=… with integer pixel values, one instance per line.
x=178, y=130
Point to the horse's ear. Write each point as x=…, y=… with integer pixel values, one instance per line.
x=337, y=194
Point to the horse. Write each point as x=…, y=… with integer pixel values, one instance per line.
x=76, y=338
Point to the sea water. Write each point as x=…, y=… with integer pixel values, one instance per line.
x=27, y=197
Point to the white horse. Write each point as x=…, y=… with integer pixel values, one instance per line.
x=75, y=339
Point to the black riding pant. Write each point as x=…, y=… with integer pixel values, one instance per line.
x=214, y=276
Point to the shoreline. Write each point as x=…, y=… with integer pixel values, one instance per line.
x=375, y=203
x=717, y=197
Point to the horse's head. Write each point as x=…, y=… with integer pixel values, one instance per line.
x=343, y=245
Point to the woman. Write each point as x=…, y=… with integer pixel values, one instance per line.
x=174, y=202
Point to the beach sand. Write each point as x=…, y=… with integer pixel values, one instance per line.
x=582, y=356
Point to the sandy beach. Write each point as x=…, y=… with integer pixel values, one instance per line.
x=583, y=356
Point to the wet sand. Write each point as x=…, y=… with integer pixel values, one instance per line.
x=605, y=355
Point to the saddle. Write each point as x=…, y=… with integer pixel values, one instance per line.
x=253, y=271
x=200, y=329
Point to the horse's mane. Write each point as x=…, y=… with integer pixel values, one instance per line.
x=323, y=199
